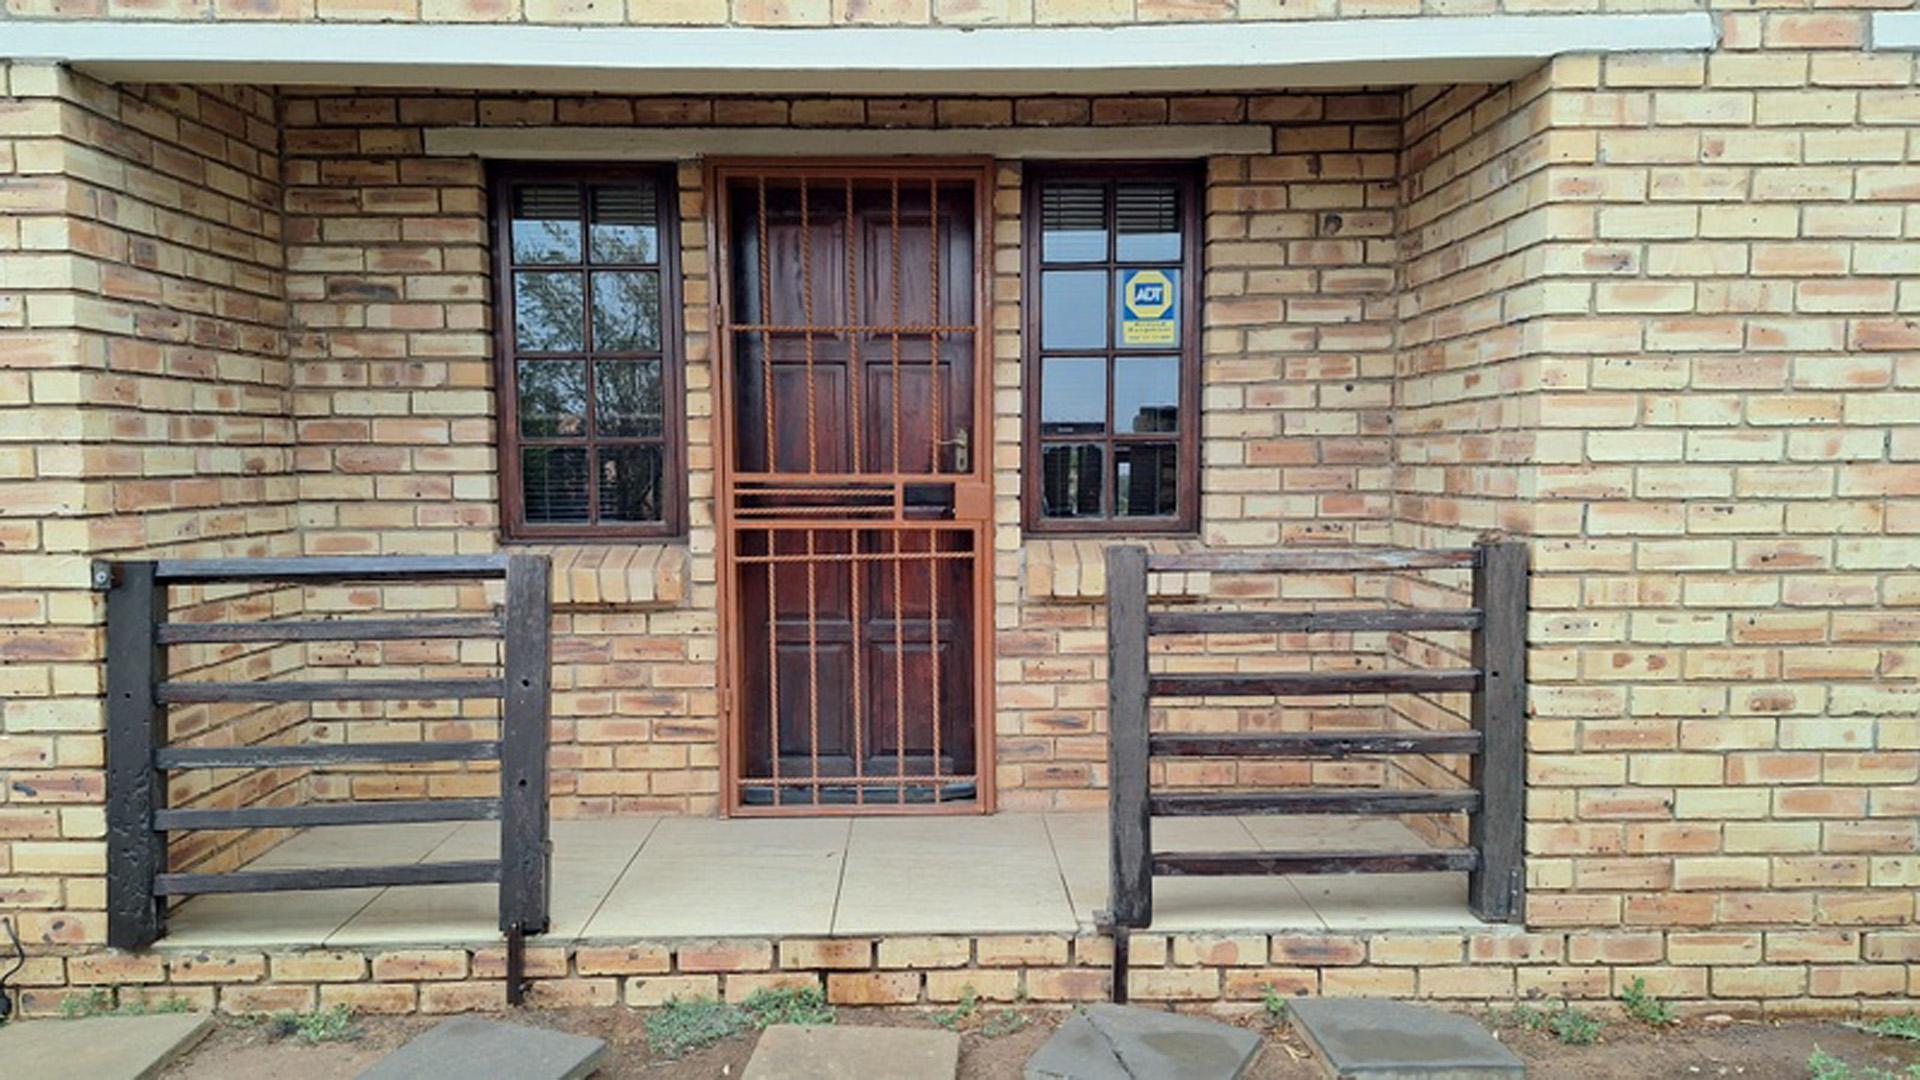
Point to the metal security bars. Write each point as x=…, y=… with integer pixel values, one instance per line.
x=855, y=508
x=139, y=690
x=1496, y=680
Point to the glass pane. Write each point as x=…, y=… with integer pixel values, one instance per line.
x=549, y=312
x=553, y=481
x=1073, y=309
x=546, y=223
x=1073, y=223
x=625, y=225
x=1146, y=481
x=1146, y=218
x=1146, y=309
x=626, y=311
x=630, y=479
x=553, y=398
x=627, y=399
x=1070, y=479
x=1073, y=395
x=1146, y=393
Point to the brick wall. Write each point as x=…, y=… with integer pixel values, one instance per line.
x=143, y=410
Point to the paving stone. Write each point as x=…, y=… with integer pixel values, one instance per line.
x=468, y=1047
x=1375, y=1039
x=99, y=1048
x=1115, y=1042
x=799, y=1052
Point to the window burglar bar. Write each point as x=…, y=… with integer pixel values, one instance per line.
x=1495, y=741
x=138, y=757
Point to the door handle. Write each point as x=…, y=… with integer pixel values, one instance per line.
x=962, y=444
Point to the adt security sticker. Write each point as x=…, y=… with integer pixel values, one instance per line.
x=1149, y=307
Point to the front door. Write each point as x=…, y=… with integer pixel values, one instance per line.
x=856, y=514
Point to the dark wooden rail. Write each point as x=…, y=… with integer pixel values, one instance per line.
x=1496, y=680
x=139, y=691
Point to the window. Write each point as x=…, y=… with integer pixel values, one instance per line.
x=591, y=414
x=1112, y=349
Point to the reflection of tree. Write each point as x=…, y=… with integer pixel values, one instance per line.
x=536, y=241
x=628, y=398
x=547, y=311
x=553, y=398
x=630, y=483
x=626, y=311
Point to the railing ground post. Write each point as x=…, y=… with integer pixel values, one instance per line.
x=136, y=665
x=526, y=856
x=1497, y=831
x=1130, y=832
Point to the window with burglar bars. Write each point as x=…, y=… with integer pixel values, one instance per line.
x=1112, y=347
x=590, y=373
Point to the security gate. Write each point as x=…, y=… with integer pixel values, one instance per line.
x=855, y=505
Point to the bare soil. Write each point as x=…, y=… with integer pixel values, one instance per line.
x=1627, y=1051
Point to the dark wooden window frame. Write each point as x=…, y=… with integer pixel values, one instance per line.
x=501, y=178
x=1190, y=178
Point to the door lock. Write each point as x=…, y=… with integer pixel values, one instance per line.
x=962, y=444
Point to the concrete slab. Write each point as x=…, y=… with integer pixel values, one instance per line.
x=1374, y=1039
x=795, y=1052
x=101, y=1047
x=1117, y=1042
x=466, y=1047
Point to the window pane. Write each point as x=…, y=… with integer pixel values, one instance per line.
x=1146, y=393
x=1070, y=480
x=549, y=312
x=546, y=223
x=553, y=480
x=1073, y=395
x=1073, y=223
x=1146, y=219
x=1146, y=480
x=630, y=479
x=627, y=400
x=626, y=311
x=1146, y=309
x=625, y=225
x=1073, y=309
x=553, y=398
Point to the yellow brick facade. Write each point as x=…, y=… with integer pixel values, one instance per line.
x=1658, y=314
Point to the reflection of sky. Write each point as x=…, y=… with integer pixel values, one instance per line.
x=1073, y=394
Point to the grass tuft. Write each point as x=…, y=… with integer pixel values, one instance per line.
x=331, y=1024
x=1645, y=1007
x=788, y=1005
x=683, y=1025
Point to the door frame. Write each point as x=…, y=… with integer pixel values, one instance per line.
x=980, y=172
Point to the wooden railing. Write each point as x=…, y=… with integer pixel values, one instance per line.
x=1496, y=680
x=138, y=757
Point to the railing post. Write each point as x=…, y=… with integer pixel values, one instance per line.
x=136, y=727
x=525, y=853
x=1497, y=831
x=1130, y=829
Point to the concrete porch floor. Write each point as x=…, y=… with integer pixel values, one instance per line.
x=677, y=877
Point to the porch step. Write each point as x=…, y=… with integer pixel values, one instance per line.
x=101, y=1047
x=1314, y=801
x=469, y=1047
x=1376, y=1039
x=1229, y=863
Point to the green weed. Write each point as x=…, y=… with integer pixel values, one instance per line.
x=1645, y=1007
x=1574, y=1027
x=1275, y=1005
x=95, y=1002
x=951, y=1019
x=1894, y=1027
x=683, y=1025
x=788, y=1005
x=1003, y=1022
x=331, y=1024
x=1824, y=1066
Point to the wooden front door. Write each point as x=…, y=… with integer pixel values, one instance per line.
x=856, y=515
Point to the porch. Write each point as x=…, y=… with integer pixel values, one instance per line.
x=649, y=878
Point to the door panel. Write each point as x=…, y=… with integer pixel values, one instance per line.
x=854, y=554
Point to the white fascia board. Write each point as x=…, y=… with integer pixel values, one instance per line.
x=1896, y=30
x=669, y=144
x=934, y=59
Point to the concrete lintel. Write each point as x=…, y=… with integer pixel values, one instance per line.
x=1896, y=30
x=848, y=60
x=674, y=144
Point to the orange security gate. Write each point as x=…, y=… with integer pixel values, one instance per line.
x=855, y=508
